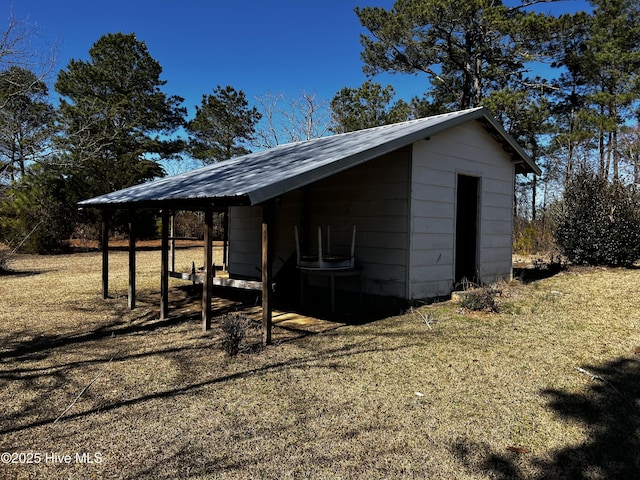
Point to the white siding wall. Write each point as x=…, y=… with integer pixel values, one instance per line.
x=373, y=196
x=245, y=241
x=405, y=233
x=245, y=237
x=469, y=150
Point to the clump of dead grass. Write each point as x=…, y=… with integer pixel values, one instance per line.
x=480, y=300
x=234, y=328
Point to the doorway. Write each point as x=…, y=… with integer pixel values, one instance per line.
x=466, y=266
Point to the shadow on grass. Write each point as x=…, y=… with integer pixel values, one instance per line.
x=38, y=347
x=327, y=358
x=17, y=352
x=21, y=273
x=539, y=272
x=140, y=320
x=610, y=412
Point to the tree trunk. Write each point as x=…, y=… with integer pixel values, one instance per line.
x=534, y=188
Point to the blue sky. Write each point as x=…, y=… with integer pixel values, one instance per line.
x=258, y=46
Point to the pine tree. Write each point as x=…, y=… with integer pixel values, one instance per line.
x=222, y=125
x=117, y=124
x=25, y=121
x=368, y=106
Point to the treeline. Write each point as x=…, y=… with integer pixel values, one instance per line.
x=565, y=86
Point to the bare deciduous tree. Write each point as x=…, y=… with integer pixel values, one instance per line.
x=287, y=119
x=18, y=49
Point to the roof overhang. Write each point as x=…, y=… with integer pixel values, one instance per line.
x=261, y=176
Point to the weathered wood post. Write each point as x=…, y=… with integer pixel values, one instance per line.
x=225, y=239
x=172, y=233
x=267, y=227
x=164, y=266
x=132, y=259
x=104, y=239
x=207, y=284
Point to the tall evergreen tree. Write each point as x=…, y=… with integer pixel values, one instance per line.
x=599, y=54
x=368, y=106
x=25, y=120
x=221, y=126
x=116, y=122
x=568, y=101
x=473, y=53
x=466, y=48
x=610, y=62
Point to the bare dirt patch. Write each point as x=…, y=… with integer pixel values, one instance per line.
x=468, y=395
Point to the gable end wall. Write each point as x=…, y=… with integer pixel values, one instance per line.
x=466, y=149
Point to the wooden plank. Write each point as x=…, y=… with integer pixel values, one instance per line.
x=132, y=260
x=164, y=266
x=183, y=238
x=208, y=270
x=186, y=276
x=105, y=254
x=240, y=284
x=219, y=281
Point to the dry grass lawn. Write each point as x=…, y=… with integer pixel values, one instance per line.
x=466, y=396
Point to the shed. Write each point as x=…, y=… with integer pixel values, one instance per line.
x=432, y=201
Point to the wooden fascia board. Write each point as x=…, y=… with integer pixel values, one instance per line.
x=194, y=204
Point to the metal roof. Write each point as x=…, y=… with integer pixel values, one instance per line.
x=257, y=177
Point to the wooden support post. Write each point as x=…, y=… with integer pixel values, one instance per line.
x=105, y=254
x=132, y=260
x=164, y=266
x=207, y=285
x=266, y=273
x=173, y=241
x=225, y=240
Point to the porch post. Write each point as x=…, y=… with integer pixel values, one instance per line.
x=132, y=260
x=105, y=254
x=225, y=239
x=267, y=261
x=172, y=232
x=207, y=285
x=164, y=266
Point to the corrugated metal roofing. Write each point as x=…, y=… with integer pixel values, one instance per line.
x=254, y=178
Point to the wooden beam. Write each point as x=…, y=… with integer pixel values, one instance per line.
x=105, y=254
x=207, y=285
x=267, y=263
x=219, y=281
x=164, y=266
x=132, y=260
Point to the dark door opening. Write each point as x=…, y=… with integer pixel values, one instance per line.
x=466, y=229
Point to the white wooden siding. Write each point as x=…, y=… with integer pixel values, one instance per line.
x=373, y=196
x=404, y=207
x=467, y=149
x=245, y=241
x=245, y=235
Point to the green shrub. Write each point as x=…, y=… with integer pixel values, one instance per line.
x=38, y=212
x=599, y=222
